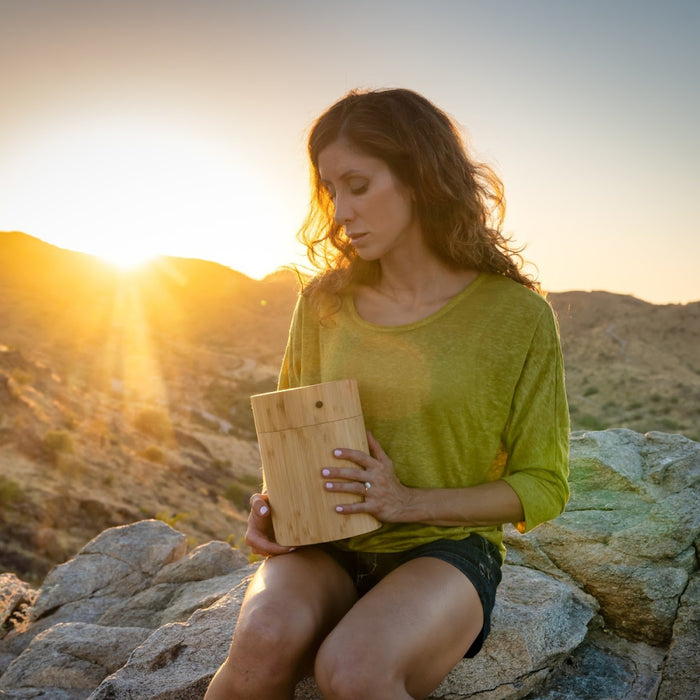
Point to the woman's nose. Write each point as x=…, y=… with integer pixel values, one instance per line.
x=343, y=211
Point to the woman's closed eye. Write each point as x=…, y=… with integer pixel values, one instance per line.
x=358, y=187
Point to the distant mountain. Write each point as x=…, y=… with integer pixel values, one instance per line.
x=630, y=364
x=125, y=396
x=49, y=293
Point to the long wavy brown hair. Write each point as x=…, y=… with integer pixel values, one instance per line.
x=460, y=203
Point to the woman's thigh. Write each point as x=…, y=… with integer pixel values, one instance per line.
x=293, y=600
x=410, y=629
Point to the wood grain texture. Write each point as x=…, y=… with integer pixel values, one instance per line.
x=298, y=429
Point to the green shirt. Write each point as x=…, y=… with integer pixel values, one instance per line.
x=470, y=394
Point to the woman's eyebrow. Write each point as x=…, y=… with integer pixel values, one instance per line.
x=348, y=173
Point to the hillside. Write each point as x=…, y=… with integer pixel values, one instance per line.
x=127, y=396
x=124, y=396
x=630, y=364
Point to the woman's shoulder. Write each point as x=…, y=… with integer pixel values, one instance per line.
x=507, y=292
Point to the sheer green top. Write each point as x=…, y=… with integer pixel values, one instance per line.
x=470, y=394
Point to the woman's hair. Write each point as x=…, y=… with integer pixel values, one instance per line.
x=459, y=203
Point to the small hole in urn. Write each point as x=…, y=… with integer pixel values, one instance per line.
x=319, y=404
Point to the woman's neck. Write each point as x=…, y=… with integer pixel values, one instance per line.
x=427, y=282
x=399, y=297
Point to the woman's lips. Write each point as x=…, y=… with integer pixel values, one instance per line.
x=356, y=237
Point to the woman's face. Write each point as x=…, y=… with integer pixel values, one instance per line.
x=374, y=207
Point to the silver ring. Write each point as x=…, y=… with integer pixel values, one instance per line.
x=368, y=486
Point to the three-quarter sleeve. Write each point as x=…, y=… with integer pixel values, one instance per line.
x=537, y=435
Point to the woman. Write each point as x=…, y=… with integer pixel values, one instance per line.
x=459, y=367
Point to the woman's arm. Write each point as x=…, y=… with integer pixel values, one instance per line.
x=494, y=503
x=390, y=501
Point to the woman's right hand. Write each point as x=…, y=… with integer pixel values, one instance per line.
x=260, y=536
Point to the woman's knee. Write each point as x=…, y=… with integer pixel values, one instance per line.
x=346, y=671
x=270, y=627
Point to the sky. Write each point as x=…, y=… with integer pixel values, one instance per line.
x=137, y=127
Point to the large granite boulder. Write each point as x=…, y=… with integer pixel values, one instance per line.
x=601, y=603
x=630, y=531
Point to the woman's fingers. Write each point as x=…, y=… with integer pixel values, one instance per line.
x=376, y=450
x=260, y=535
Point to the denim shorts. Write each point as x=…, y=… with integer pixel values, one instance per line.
x=477, y=558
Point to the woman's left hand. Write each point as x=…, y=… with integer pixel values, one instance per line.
x=385, y=497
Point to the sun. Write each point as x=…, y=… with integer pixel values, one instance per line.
x=128, y=257
x=129, y=188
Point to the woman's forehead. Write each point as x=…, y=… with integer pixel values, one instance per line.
x=340, y=159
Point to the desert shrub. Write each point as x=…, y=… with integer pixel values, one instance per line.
x=239, y=494
x=21, y=376
x=70, y=466
x=20, y=610
x=655, y=397
x=586, y=421
x=10, y=491
x=590, y=391
x=154, y=422
x=220, y=397
x=70, y=421
x=58, y=442
x=153, y=453
x=168, y=519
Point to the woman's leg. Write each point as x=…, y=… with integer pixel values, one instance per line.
x=292, y=602
x=403, y=637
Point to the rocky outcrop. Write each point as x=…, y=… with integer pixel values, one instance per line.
x=601, y=603
x=629, y=534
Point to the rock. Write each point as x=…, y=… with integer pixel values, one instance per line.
x=15, y=597
x=682, y=667
x=153, y=584
x=606, y=666
x=628, y=534
x=72, y=656
x=202, y=563
x=169, y=602
x=178, y=660
x=112, y=567
x=117, y=563
x=600, y=604
x=537, y=623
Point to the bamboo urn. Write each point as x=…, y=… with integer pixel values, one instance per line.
x=297, y=430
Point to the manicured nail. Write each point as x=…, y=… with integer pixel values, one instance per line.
x=329, y=485
x=337, y=453
x=264, y=510
x=326, y=472
x=339, y=509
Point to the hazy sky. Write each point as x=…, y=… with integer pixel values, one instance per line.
x=137, y=126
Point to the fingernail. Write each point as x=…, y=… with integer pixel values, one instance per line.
x=264, y=510
x=329, y=485
x=326, y=472
x=337, y=453
x=339, y=509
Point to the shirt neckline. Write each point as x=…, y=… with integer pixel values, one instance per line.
x=430, y=318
